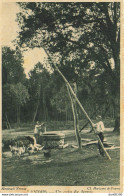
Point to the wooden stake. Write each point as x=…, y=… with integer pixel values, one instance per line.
x=80, y=105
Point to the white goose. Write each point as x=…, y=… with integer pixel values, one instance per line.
x=37, y=147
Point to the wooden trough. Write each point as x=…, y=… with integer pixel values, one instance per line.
x=52, y=140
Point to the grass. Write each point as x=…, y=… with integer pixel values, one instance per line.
x=66, y=167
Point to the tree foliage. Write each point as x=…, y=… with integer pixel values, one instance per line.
x=83, y=40
x=14, y=91
x=12, y=66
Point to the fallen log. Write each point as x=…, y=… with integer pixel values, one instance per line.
x=73, y=146
x=113, y=148
x=105, y=142
x=88, y=140
x=95, y=142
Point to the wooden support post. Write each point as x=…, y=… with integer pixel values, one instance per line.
x=75, y=116
x=80, y=105
x=76, y=122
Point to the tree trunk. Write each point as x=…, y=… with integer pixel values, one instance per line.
x=18, y=114
x=35, y=114
x=117, y=124
x=116, y=116
x=8, y=124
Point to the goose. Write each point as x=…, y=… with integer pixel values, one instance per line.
x=37, y=147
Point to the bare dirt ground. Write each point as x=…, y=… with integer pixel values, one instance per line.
x=65, y=167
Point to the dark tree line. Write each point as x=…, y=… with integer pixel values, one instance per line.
x=83, y=40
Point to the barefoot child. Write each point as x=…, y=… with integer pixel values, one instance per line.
x=36, y=130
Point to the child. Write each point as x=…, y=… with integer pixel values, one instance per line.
x=36, y=130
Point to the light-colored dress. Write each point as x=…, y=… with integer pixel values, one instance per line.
x=36, y=129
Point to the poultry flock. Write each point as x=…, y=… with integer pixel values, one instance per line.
x=25, y=145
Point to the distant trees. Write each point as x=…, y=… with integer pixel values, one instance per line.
x=40, y=92
x=14, y=91
x=12, y=66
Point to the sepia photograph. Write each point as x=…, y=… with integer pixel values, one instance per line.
x=61, y=95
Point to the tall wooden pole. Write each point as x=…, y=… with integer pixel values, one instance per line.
x=80, y=105
x=75, y=116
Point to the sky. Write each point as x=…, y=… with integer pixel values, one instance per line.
x=9, y=33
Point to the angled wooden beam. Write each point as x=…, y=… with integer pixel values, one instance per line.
x=75, y=116
x=80, y=105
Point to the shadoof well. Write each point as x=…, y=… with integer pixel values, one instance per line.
x=74, y=100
